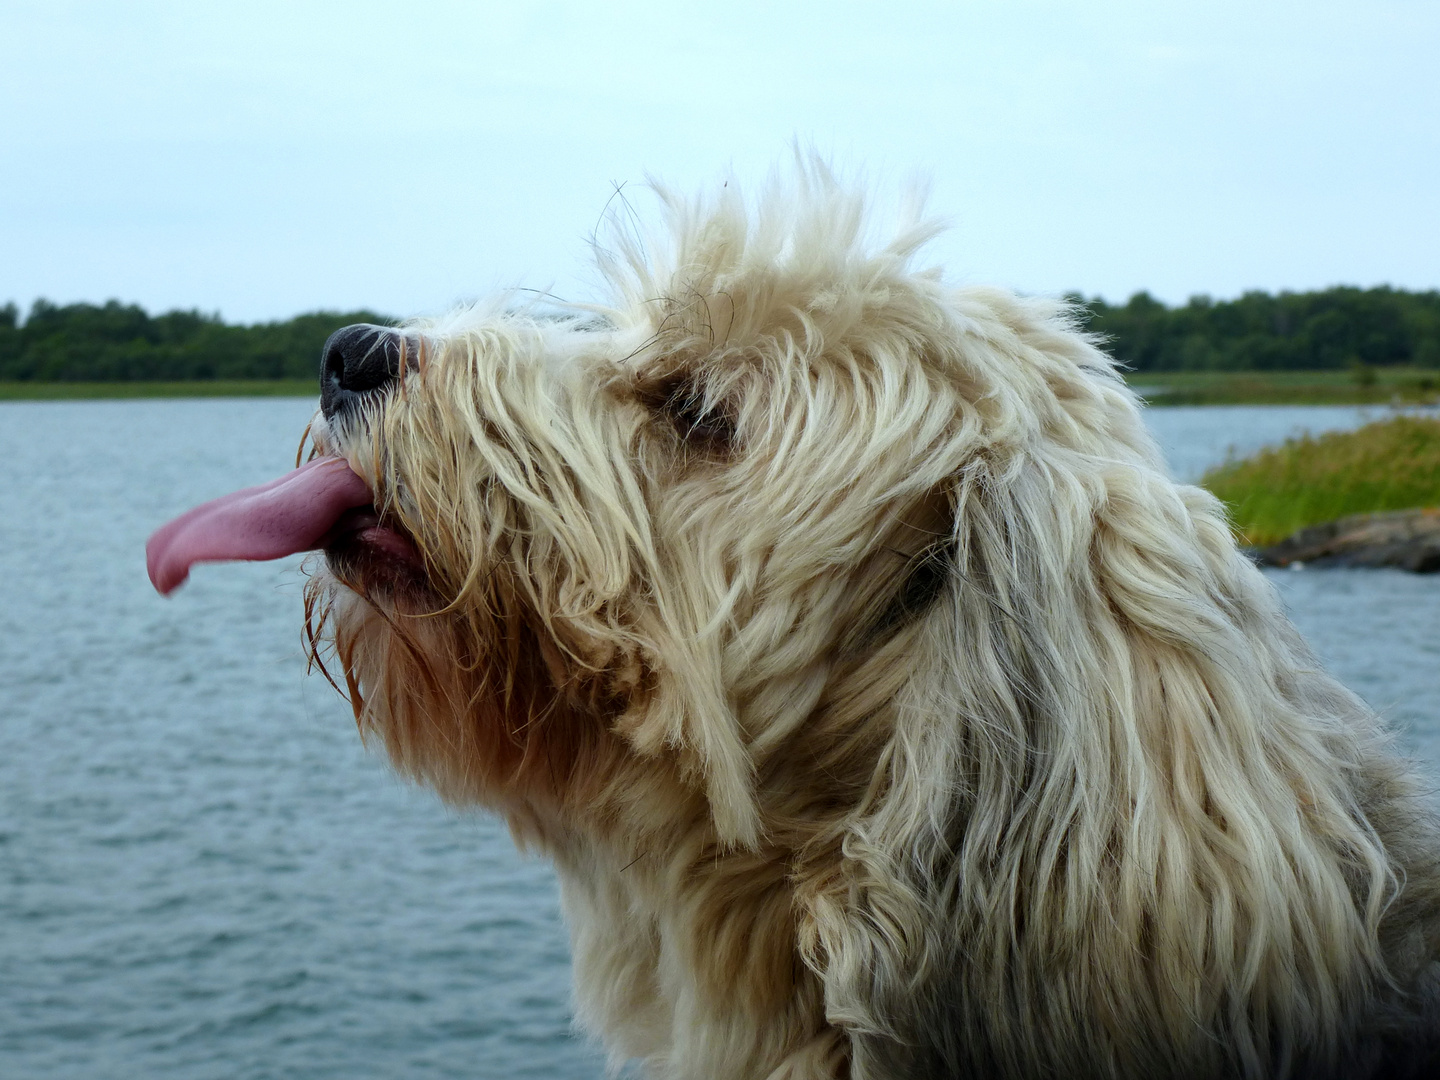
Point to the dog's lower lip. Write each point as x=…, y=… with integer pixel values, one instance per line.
x=363, y=525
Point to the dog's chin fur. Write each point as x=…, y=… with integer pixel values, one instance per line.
x=884, y=706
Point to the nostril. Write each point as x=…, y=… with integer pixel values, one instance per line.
x=332, y=365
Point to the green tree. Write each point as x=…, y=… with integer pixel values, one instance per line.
x=121, y=342
x=1330, y=328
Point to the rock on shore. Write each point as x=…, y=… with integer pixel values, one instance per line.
x=1409, y=539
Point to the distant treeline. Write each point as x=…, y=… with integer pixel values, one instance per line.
x=1333, y=328
x=121, y=343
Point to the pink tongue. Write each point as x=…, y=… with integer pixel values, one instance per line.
x=290, y=514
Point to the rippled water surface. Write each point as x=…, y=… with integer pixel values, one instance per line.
x=203, y=874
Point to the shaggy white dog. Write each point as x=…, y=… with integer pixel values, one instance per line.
x=885, y=707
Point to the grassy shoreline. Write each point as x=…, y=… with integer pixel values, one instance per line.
x=1368, y=386
x=1363, y=386
x=85, y=391
x=1387, y=465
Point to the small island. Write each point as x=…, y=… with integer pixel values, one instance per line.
x=1369, y=497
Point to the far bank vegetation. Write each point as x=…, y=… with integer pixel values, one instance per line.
x=1365, y=344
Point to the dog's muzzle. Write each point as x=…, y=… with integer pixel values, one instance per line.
x=359, y=361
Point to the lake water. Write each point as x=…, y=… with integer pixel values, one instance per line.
x=203, y=874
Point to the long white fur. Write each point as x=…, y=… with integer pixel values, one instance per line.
x=1091, y=809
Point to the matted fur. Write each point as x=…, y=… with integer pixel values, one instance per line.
x=885, y=707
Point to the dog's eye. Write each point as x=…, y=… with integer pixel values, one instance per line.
x=699, y=424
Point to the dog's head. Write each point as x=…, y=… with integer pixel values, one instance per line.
x=797, y=564
x=701, y=529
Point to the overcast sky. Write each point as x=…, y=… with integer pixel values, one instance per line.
x=260, y=159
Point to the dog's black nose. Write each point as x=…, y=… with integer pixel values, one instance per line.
x=356, y=360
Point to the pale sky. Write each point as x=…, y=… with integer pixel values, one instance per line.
x=261, y=159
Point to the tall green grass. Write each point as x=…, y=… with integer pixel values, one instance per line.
x=65, y=391
x=1357, y=386
x=1388, y=465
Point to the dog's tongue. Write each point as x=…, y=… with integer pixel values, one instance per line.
x=271, y=521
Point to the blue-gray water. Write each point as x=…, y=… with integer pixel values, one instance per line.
x=203, y=874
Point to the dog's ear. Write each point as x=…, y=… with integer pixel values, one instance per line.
x=1115, y=819
x=892, y=920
